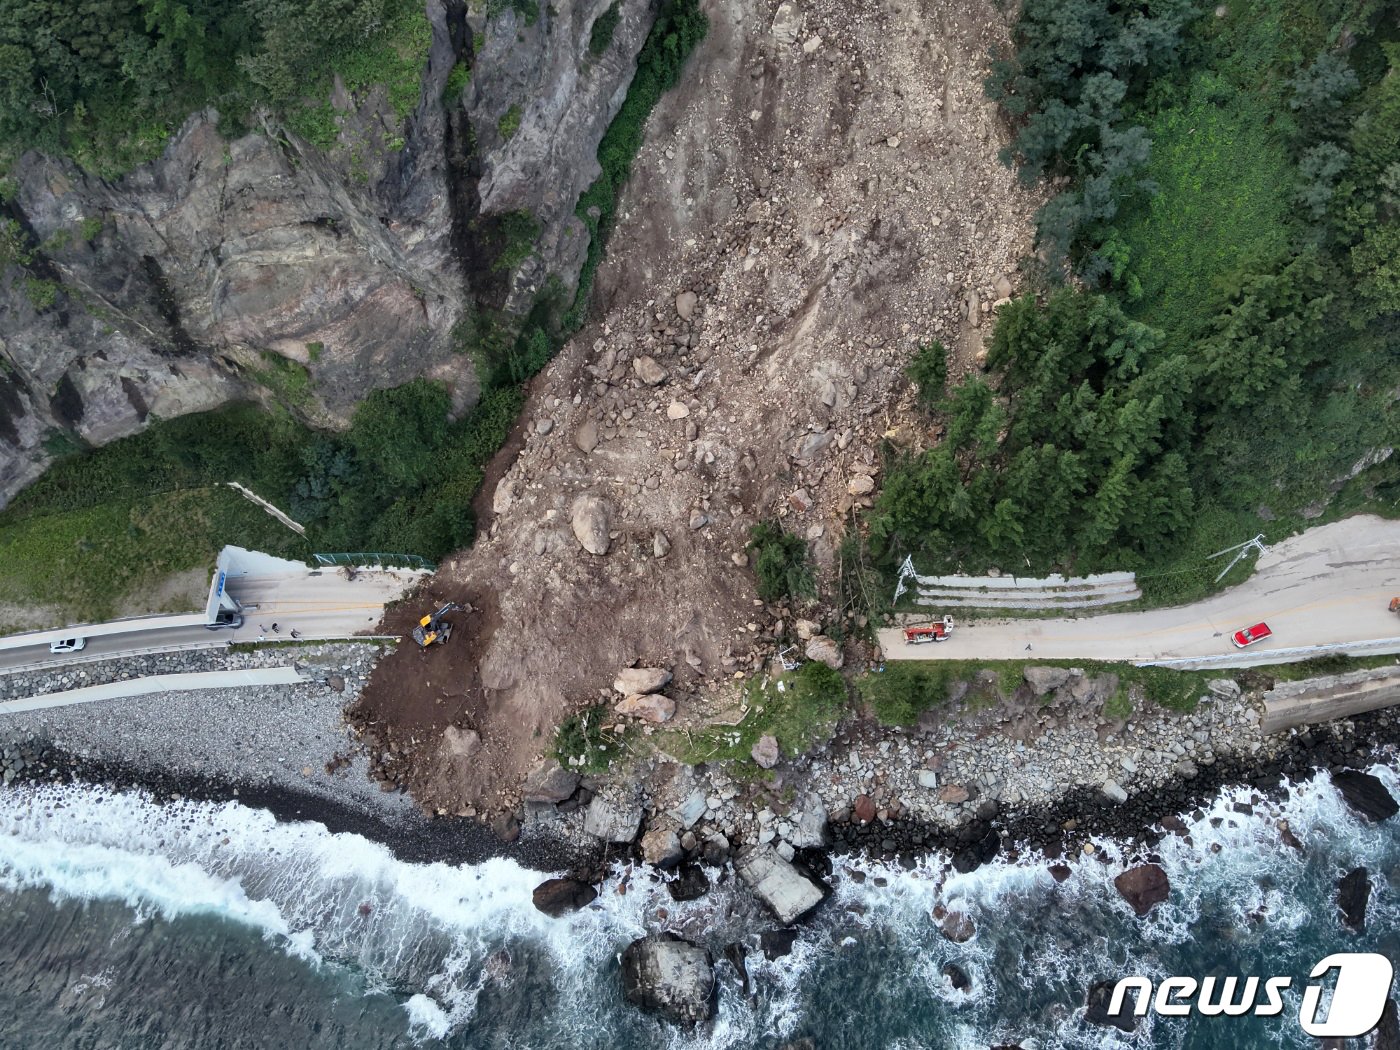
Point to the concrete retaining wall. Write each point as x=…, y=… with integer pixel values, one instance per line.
x=1026, y=592
x=1291, y=704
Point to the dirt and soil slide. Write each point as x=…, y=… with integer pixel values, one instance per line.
x=820, y=195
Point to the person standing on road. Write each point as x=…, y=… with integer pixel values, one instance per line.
x=274, y=628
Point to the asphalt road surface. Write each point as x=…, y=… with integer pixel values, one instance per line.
x=1329, y=586
x=316, y=606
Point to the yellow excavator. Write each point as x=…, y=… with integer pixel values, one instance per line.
x=434, y=629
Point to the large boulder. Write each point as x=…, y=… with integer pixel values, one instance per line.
x=591, y=518
x=956, y=926
x=1044, y=680
x=1143, y=887
x=652, y=707
x=613, y=818
x=766, y=752
x=824, y=649
x=557, y=897
x=1366, y=795
x=1353, y=894
x=1388, y=1031
x=669, y=976
x=549, y=782
x=661, y=846
x=631, y=681
x=788, y=892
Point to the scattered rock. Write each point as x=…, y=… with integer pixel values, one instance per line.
x=660, y=545
x=648, y=371
x=1365, y=794
x=863, y=809
x=653, y=707
x=826, y=650
x=1223, y=688
x=631, y=680
x=766, y=752
x=860, y=485
x=677, y=410
x=809, y=827
x=1143, y=887
x=928, y=779
x=1113, y=791
x=591, y=518
x=1353, y=894
x=558, y=897
x=506, y=827
x=586, y=436
x=807, y=629
x=788, y=893
x=685, y=305
x=800, y=501
x=953, y=794
x=669, y=976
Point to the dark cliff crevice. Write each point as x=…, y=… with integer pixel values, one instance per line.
x=167, y=306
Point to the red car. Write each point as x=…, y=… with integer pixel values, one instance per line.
x=1249, y=635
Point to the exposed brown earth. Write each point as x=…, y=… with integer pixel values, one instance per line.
x=769, y=278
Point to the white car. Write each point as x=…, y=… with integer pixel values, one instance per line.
x=67, y=645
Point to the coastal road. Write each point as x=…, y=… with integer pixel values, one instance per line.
x=1329, y=586
x=316, y=605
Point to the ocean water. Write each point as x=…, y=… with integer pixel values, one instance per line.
x=127, y=924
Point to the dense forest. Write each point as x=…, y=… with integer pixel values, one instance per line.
x=1211, y=342
x=108, y=80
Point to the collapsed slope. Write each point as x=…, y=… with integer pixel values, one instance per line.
x=820, y=195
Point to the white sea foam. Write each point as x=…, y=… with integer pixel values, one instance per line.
x=439, y=935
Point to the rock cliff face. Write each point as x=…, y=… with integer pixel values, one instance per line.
x=178, y=287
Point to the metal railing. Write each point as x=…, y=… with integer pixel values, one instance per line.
x=379, y=559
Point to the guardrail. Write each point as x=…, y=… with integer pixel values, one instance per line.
x=1245, y=658
x=155, y=650
x=379, y=559
x=1011, y=592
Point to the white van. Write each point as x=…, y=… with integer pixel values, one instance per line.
x=67, y=645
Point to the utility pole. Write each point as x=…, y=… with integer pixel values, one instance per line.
x=1242, y=548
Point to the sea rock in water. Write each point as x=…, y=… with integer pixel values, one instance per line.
x=957, y=926
x=669, y=976
x=788, y=892
x=1097, y=1003
x=1388, y=1031
x=958, y=976
x=549, y=782
x=613, y=818
x=1366, y=795
x=691, y=883
x=591, y=518
x=1353, y=894
x=641, y=680
x=777, y=943
x=557, y=897
x=1060, y=872
x=766, y=752
x=1143, y=887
